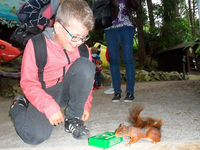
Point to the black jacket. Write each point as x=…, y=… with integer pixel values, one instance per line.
x=131, y=5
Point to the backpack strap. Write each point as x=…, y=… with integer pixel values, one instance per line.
x=40, y=49
x=83, y=50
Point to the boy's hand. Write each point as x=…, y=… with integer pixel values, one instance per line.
x=85, y=116
x=56, y=118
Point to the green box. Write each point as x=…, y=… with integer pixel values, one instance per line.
x=105, y=140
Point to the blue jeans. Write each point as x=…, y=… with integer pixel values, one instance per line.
x=114, y=37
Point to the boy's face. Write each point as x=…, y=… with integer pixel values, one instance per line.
x=72, y=36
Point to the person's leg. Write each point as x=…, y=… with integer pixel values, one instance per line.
x=31, y=125
x=95, y=81
x=111, y=89
x=99, y=79
x=78, y=83
x=126, y=36
x=112, y=38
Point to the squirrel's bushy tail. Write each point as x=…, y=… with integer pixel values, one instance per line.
x=137, y=121
x=134, y=117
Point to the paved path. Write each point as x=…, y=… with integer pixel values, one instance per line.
x=177, y=103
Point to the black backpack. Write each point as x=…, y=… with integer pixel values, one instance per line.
x=102, y=13
x=22, y=34
x=40, y=49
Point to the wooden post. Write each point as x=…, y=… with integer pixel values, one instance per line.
x=184, y=61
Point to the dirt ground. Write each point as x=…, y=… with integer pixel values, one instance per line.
x=177, y=103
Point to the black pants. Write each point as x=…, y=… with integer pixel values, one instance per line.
x=97, y=79
x=32, y=126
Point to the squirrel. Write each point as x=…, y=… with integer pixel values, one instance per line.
x=140, y=128
x=137, y=134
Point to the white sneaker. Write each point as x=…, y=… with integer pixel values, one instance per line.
x=109, y=91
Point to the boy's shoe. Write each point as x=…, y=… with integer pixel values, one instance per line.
x=20, y=100
x=116, y=97
x=109, y=91
x=77, y=128
x=129, y=97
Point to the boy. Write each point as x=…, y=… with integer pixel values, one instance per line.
x=67, y=76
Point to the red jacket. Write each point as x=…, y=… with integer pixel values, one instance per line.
x=30, y=84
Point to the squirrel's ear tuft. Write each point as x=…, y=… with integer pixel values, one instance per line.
x=121, y=125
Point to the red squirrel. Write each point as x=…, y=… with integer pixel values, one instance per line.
x=140, y=128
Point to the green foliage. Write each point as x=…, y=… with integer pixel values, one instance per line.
x=152, y=37
x=196, y=43
x=190, y=50
x=175, y=32
x=195, y=47
x=168, y=11
x=90, y=2
x=96, y=36
x=171, y=28
x=135, y=44
x=9, y=87
x=198, y=49
x=158, y=11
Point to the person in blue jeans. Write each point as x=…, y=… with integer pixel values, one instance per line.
x=121, y=32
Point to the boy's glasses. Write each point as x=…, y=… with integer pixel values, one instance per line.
x=76, y=38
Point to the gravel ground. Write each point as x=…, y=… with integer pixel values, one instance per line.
x=177, y=103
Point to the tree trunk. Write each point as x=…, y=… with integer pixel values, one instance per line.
x=142, y=53
x=191, y=16
x=166, y=15
x=177, y=10
x=198, y=3
x=150, y=11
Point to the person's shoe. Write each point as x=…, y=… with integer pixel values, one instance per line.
x=77, y=128
x=116, y=97
x=129, y=97
x=20, y=100
x=109, y=91
x=98, y=87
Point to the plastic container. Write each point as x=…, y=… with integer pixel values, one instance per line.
x=105, y=140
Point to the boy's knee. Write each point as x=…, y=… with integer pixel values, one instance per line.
x=86, y=68
x=88, y=71
x=34, y=138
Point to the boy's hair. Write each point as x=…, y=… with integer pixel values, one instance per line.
x=75, y=9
